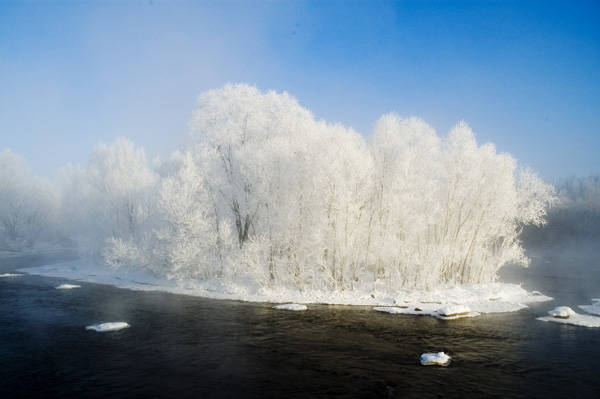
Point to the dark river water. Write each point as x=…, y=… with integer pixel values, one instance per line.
x=187, y=347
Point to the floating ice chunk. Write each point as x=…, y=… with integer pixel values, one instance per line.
x=67, y=286
x=392, y=309
x=562, y=312
x=437, y=359
x=449, y=312
x=566, y=315
x=455, y=312
x=593, y=308
x=290, y=306
x=11, y=275
x=112, y=326
x=576, y=320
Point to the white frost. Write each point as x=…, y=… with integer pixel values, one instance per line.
x=291, y=306
x=112, y=326
x=11, y=275
x=67, y=286
x=438, y=359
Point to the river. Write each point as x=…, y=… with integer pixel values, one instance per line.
x=188, y=347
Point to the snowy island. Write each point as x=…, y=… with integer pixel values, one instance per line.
x=265, y=203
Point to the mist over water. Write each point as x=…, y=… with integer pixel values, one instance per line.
x=570, y=273
x=180, y=347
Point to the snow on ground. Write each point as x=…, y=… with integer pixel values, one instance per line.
x=290, y=306
x=479, y=298
x=566, y=315
x=593, y=308
x=67, y=286
x=112, y=326
x=437, y=359
x=6, y=275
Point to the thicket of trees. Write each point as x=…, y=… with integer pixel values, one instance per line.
x=262, y=189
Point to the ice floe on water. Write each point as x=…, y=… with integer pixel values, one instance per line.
x=6, y=275
x=469, y=300
x=290, y=306
x=67, y=286
x=566, y=315
x=448, y=312
x=593, y=308
x=455, y=312
x=435, y=359
x=112, y=326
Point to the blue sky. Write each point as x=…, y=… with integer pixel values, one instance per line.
x=525, y=75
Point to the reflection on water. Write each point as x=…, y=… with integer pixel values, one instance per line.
x=179, y=347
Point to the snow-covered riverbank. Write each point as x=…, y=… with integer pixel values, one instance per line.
x=481, y=298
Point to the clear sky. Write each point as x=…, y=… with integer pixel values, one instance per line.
x=525, y=75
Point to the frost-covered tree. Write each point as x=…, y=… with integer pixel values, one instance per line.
x=447, y=210
x=484, y=209
x=191, y=241
x=343, y=234
x=252, y=144
x=234, y=124
x=405, y=204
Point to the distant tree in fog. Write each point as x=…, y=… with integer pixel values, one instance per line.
x=581, y=195
x=576, y=216
x=110, y=198
x=27, y=204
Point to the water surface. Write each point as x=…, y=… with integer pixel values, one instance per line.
x=187, y=347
